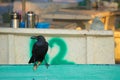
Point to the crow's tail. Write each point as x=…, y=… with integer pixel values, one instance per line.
x=32, y=60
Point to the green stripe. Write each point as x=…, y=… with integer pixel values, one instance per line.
x=60, y=72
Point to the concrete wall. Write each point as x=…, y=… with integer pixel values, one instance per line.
x=65, y=46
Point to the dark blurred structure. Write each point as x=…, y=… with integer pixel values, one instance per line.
x=6, y=6
x=6, y=0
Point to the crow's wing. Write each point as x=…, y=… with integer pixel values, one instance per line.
x=41, y=52
x=34, y=49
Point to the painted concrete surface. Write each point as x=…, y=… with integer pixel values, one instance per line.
x=65, y=46
x=60, y=72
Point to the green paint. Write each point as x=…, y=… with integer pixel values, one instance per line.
x=60, y=72
x=59, y=58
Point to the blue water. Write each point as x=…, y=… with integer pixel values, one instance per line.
x=60, y=72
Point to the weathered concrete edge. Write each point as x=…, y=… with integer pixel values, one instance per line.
x=55, y=31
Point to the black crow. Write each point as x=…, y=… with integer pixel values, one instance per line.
x=39, y=51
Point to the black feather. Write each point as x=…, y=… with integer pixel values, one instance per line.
x=39, y=49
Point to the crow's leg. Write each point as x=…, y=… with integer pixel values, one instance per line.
x=35, y=66
x=46, y=64
x=38, y=63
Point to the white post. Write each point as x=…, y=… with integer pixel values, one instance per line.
x=11, y=49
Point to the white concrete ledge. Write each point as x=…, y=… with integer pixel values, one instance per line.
x=54, y=31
